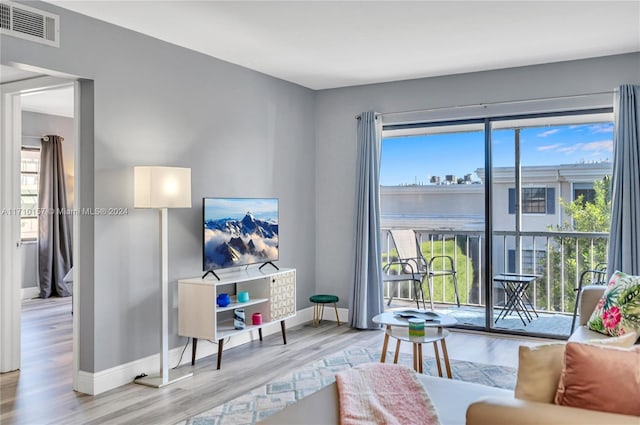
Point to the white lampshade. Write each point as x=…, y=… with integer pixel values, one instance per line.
x=162, y=187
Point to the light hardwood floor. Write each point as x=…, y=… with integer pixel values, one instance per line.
x=41, y=391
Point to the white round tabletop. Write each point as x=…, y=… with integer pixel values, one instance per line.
x=401, y=316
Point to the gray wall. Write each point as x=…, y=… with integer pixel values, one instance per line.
x=336, y=134
x=241, y=132
x=34, y=125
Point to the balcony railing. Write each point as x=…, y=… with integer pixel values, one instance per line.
x=557, y=257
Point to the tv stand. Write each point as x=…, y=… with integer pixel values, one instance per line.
x=272, y=294
x=212, y=272
x=264, y=264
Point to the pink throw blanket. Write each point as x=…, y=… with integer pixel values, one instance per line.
x=380, y=393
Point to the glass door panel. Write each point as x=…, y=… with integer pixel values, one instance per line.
x=431, y=181
x=550, y=215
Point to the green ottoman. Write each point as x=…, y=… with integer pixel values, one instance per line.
x=318, y=306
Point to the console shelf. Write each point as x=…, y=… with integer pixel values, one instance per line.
x=272, y=294
x=235, y=304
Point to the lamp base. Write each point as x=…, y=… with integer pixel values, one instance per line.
x=156, y=381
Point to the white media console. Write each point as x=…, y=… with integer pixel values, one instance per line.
x=271, y=293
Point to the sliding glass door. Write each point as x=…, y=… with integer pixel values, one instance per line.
x=521, y=205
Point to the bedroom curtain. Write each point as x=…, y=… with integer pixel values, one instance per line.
x=366, y=298
x=624, y=236
x=54, y=230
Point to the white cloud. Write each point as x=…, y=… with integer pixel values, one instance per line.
x=601, y=128
x=549, y=147
x=548, y=132
x=570, y=149
x=601, y=145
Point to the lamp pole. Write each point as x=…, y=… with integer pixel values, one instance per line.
x=157, y=187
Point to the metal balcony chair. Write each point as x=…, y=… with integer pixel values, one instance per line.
x=598, y=276
x=413, y=266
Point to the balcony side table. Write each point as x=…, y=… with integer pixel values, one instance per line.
x=515, y=286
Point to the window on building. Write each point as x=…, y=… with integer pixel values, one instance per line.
x=586, y=190
x=527, y=261
x=534, y=200
x=29, y=177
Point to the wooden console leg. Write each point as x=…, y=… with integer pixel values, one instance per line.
x=284, y=332
x=220, y=344
x=260, y=333
x=194, y=347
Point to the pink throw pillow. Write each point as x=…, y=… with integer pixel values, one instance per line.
x=599, y=377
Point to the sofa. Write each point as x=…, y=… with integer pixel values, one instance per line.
x=589, y=297
x=458, y=402
x=509, y=410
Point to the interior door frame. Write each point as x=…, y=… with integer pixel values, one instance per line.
x=10, y=243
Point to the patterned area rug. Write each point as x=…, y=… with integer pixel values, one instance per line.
x=268, y=399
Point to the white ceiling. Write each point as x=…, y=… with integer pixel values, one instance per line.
x=326, y=44
x=9, y=74
x=57, y=101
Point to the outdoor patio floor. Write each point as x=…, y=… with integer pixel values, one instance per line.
x=555, y=324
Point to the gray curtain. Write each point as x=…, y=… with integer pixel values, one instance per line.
x=54, y=233
x=366, y=288
x=624, y=237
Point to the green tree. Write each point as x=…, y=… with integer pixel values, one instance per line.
x=592, y=216
x=569, y=256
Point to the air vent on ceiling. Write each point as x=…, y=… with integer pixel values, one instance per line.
x=30, y=24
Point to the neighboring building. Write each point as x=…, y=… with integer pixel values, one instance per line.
x=460, y=208
x=542, y=189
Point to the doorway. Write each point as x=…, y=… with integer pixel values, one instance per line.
x=11, y=244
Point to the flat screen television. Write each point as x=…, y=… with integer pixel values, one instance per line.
x=239, y=232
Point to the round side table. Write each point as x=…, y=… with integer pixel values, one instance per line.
x=431, y=335
x=396, y=324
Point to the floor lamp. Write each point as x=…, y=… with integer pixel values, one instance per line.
x=163, y=188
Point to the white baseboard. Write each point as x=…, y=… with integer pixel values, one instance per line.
x=105, y=380
x=29, y=293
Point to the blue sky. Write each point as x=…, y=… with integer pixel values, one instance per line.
x=412, y=159
x=264, y=209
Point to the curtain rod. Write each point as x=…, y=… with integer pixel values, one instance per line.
x=444, y=108
x=45, y=138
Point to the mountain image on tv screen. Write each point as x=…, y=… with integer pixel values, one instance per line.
x=239, y=231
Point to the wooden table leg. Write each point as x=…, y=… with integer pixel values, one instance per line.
x=395, y=358
x=415, y=356
x=446, y=358
x=284, y=332
x=383, y=355
x=420, y=358
x=194, y=346
x=220, y=346
x=435, y=349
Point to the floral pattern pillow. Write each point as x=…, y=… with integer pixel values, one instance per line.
x=618, y=311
